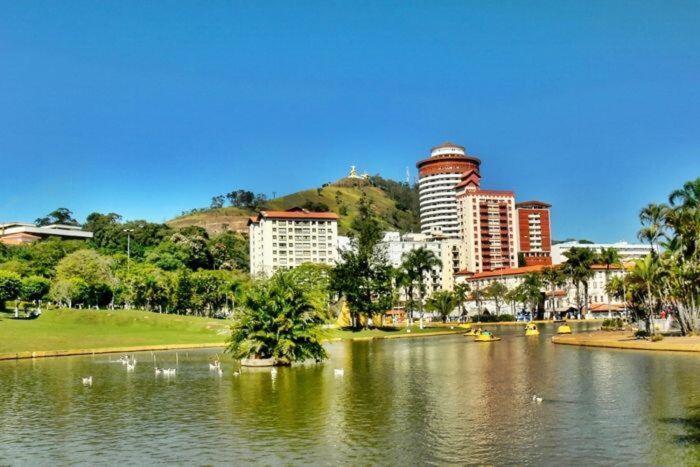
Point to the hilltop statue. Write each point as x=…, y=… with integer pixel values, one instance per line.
x=353, y=174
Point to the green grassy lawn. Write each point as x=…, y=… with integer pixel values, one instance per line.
x=100, y=329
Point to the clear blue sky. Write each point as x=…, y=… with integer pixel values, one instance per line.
x=150, y=108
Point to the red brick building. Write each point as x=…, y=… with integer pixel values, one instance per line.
x=535, y=232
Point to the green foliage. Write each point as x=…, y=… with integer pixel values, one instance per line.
x=442, y=302
x=10, y=287
x=278, y=320
x=34, y=288
x=315, y=206
x=229, y=250
x=613, y=324
x=496, y=291
x=59, y=216
x=364, y=276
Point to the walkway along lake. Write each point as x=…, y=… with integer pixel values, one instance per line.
x=402, y=401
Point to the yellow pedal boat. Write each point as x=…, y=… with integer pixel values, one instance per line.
x=486, y=336
x=531, y=330
x=473, y=332
x=564, y=329
x=466, y=326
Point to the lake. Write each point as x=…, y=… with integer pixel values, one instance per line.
x=434, y=400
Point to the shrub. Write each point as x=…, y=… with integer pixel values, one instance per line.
x=656, y=337
x=612, y=324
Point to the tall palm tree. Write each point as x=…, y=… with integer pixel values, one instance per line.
x=646, y=276
x=530, y=290
x=461, y=291
x=553, y=278
x=652, y=217
x=578, y=269
x=609, y=257
x=419, y=263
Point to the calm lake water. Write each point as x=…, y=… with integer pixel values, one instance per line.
x=431, y=400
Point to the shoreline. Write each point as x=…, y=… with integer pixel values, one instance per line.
x=625, y=341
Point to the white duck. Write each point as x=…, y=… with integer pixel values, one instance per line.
x=87, y=381
x=214, y=366
x=339, y=372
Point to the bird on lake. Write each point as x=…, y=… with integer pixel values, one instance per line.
x=169, y=371
x=158, y=371
x=537, y=399
x=214, y=366
x=236, y=373
x=339, y=372
x=219, y=371
x=131, y=365
x=87, y=381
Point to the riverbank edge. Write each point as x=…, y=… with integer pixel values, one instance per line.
x=146, y=348
x=625, y=341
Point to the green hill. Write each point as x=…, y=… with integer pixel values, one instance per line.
x=395, y=203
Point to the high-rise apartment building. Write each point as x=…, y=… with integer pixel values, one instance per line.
x=488, y=225
x=535, y=232
x=285, y=239
x=438, y=175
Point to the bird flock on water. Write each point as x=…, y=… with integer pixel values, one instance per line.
x=129, y=362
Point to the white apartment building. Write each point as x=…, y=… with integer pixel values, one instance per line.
x=285, y=239
x=448, y=251
x=628, y=251
x=561, y=299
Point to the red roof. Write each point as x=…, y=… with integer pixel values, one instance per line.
x=490, y=192
x=293, y=213
x=508, y=271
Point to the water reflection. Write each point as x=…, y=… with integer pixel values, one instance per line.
x=407, y=401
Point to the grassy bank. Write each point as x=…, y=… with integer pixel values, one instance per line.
x=91, y=329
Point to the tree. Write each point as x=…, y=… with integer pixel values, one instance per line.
x=577, y=269
x=278, y=320
x=229, y=250
x=443, y=302
x=646, y=276
x=553, y=278
x=460, y=292
x=609, y=257
x=419, y=264
x=34, y=288
x=496, y=292
x=217, y=202
x=530, y=291
x=364, y=276
x=69, y=292
x=10, y=287
x=59, y=216
x=652, y=218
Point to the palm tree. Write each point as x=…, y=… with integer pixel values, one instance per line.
x=609, y=257
x=419, y=263
x=460, y=292
x=404, y=280
x=652, y=218
x=578, y=269
x=552, y=279
x=278, y=320
x=443, y=302
x=530, y=290
x=646, y=276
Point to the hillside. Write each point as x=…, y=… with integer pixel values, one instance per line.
x=395, y=204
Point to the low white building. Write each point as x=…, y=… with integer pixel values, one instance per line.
x=285, y=239
x=18, y=233
x=560, y=300
x=628, y=251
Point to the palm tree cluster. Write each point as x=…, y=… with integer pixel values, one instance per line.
x=413, y=275
x=669, y=277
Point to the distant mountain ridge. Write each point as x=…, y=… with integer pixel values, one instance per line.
x=395, y=203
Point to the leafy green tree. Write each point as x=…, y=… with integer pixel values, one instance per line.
x=652, y=218
x=646, y=277
x=278, y=320
x=364, y=276
x=229, y=250
x=609, y=257
x=10, y=287
x=88, y=265
x=530, y=291
x=461, y=292
x=496, y=292
x=443, y=302
x=69, y=292
x=59, y=216
x=34, y=288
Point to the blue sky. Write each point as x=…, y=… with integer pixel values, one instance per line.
x=150, y=108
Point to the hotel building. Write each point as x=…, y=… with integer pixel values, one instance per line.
x=438, y=175
x=488, y=225
x=627, y=251
x=285, y=239
x=535, y=240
